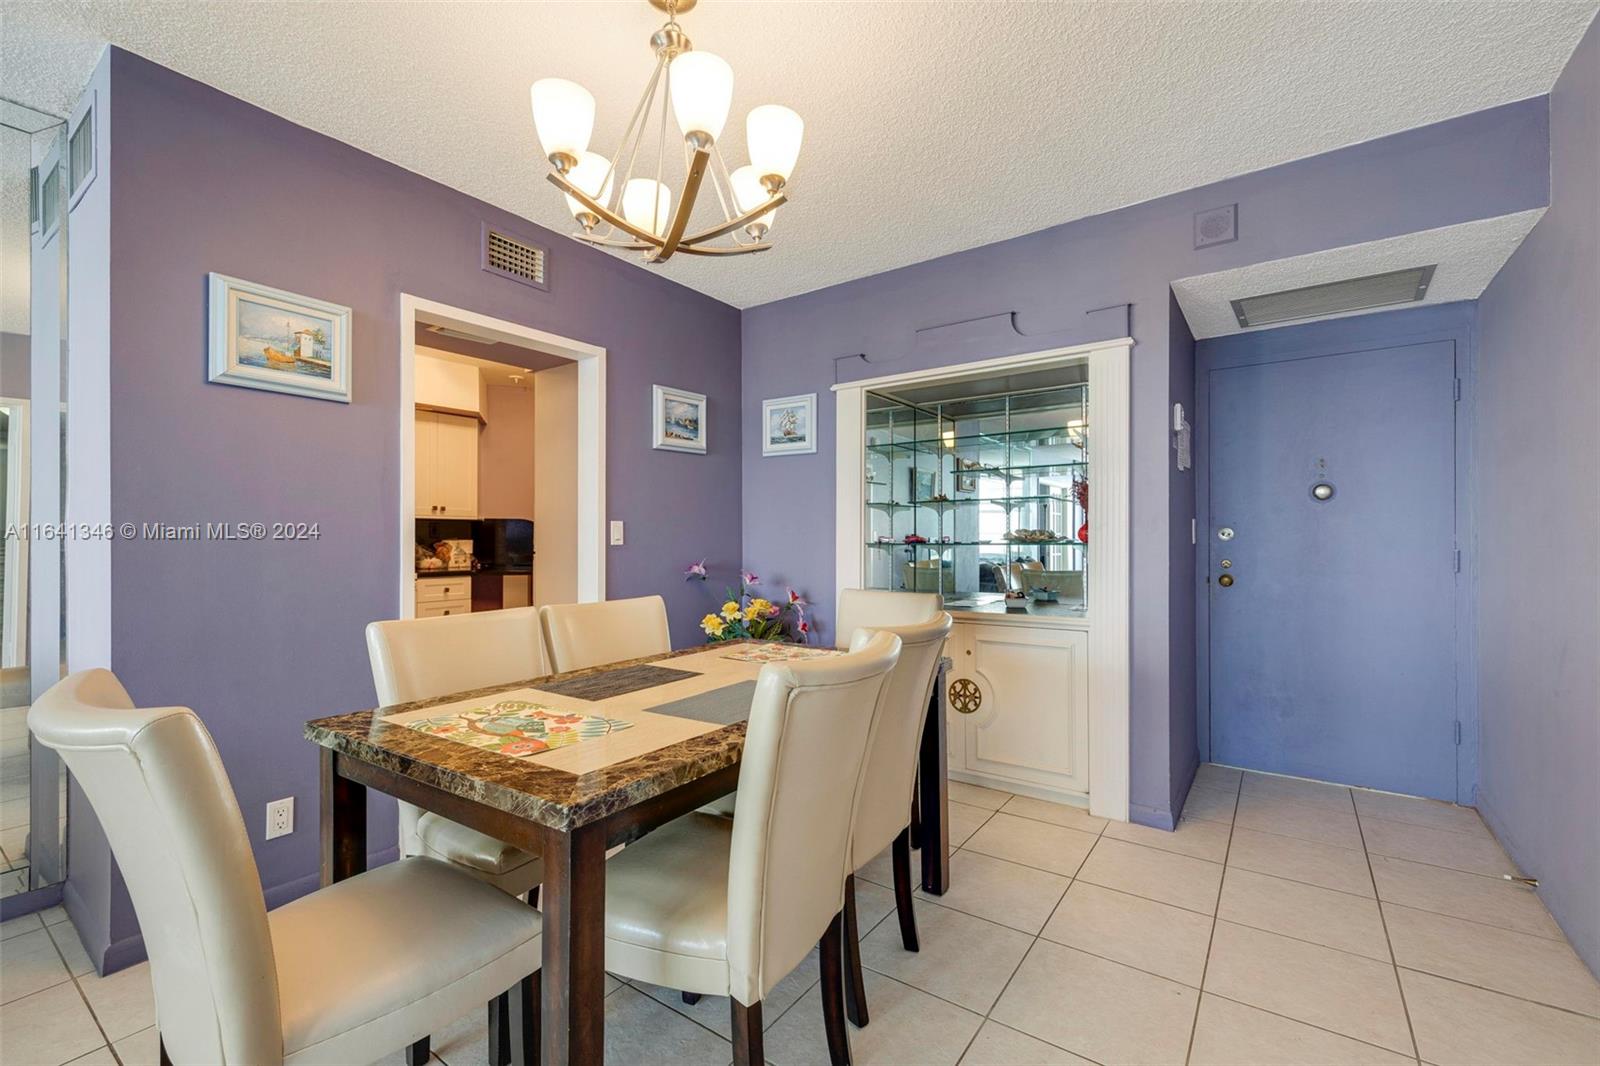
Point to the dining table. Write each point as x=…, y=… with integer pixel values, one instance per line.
x=569, y=766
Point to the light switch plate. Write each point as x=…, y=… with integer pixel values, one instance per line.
x=616, y=534
x=280, y=818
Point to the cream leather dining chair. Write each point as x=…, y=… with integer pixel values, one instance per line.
x=350, y=973
x=580, y=635
x=728, y=907
x=883, y=819
x=420, y=658
x=877, y=607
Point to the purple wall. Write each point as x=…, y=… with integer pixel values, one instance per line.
x=1539, y=583
x=1038, y=291
x=259, y=637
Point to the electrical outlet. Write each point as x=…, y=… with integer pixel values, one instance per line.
x=280, y=818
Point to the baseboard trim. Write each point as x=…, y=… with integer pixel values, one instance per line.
x=1153, y=817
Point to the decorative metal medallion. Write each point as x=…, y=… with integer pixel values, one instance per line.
x=965, y=696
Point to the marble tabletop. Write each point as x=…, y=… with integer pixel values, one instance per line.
x=570, y=786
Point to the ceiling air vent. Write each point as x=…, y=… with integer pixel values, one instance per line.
x=1335, y=297
x=513, y=259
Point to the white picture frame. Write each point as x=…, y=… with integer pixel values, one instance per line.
x=314, y=359
x=677, y=420
x=789, y=425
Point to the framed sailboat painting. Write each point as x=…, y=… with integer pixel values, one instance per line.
x=789, y=425
x=265, y=338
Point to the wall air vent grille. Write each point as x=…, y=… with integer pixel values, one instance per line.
x=1334, y=298
x=513, y=259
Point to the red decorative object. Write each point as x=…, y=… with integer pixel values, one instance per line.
x=1080, y=490
x=1083, y=532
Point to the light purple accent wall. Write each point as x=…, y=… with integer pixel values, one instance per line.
x=1539, y=526
x=1043, y=290
x=259, y=637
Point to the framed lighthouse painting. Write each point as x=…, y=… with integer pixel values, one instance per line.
x=265, y=338
x=789, y=425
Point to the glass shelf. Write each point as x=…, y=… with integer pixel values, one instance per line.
x=1063, y=543
x=1004, y=501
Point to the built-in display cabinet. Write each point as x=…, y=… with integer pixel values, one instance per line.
x=978, y=493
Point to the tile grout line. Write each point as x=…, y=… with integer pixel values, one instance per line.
x=77, y=987
x=1405, y=1008
x=1211, y=939
x=1499, y=992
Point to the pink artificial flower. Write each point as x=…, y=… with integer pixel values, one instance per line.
x=746, y=577
x=797, y=601
x=695, y=570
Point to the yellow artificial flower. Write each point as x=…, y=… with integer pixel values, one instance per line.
x=730, y=610
x=751, y=613
x=712, y=625
x=761, y=607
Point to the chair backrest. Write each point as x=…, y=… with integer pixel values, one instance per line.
x=805, y=749
x=578, y=635
x=160, y=791
x=892, y=762
x=929, y=575
x=1023, y=573
x=877, y=607
x=420, y=658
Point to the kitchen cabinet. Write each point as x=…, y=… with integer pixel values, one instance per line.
x=437, y=596
x=1019, y=706
x=446, y=465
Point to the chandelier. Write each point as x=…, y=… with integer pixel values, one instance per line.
x=640, y=213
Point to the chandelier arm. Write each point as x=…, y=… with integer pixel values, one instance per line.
x=644, y=99
x=661, y=153
x=680, y=218
x=722, y=249
x=603, y=242
x=778, y=200
x=721, y=170
x=602, y=211
x=636, y=128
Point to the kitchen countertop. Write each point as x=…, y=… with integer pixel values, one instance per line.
x=993, y=604
x=504, y=571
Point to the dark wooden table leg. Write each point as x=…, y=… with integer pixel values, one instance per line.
x=574, y=972
x=933, y=793
x=344, y=822
x=524, y=1021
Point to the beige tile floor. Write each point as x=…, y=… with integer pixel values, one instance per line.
x=1284, y=922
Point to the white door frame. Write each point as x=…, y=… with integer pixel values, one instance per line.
x=591, y=508
x=1109, y=591
x=14, y=651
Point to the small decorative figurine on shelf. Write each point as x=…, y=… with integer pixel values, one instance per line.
x=1080, y=492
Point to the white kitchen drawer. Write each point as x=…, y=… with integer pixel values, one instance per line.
x=439, y=610
x=438, y=589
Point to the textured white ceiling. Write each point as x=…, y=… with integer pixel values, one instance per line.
x=1468, y=256
x=931, y=127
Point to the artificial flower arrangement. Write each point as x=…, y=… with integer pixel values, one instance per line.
x=746, y=616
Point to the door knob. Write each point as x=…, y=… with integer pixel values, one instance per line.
x=1226, y=580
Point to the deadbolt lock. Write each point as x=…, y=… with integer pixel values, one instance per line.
x=1226, y=580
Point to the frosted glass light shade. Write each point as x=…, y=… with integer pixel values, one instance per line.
x=563, y=114
x=773, y=134
x=702, y=90
x=647, y=204
x=594, y=176
x=749, y=193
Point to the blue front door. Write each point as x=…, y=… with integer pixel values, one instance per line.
x=1332, y=567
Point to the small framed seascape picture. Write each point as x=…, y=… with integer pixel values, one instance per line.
x=678, y=420
x=265, y=338
x=789, y=425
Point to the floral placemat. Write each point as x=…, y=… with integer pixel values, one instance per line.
x=518, y=728
x=779, y=653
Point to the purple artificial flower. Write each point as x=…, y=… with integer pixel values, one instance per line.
x=747, y=578
x=695, y=570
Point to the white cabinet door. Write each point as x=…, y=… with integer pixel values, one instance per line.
x=1031, y=723
x=426, y=454
x=456, y=466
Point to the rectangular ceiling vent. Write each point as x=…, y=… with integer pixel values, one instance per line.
x=1334, y=298
x=513, y=259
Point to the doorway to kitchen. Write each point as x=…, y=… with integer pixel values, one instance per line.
x=502, y=464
